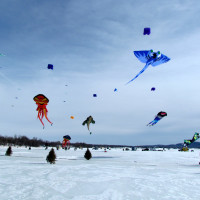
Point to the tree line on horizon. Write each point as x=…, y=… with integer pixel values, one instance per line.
x=35, y=142
x=25, y=141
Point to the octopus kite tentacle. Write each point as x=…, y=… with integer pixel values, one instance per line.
x=45, y=114
x=40, y=117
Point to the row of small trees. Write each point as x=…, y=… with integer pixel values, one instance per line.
x=51, y=157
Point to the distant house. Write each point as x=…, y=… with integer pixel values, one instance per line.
x=95, y=148
x=145, y=149
x=134, y=148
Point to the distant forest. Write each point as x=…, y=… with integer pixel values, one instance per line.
x=34, y=142
x=25, y=141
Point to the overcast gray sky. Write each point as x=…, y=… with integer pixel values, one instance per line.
x=91, y=44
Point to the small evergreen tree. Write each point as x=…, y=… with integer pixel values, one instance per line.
x=9, y=151
x=51, y=158
x=88, y=154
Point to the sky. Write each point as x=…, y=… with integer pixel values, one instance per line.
x=91, y=44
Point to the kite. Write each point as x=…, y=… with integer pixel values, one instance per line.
x=153, y=89
x=66, y=141
x=42, y=102
x=94, y=95
x=195, y=137
x=150, y=58
x=158, y=117
x=50, y=66
x=88, y=121
x=72, y=117
x=188, y=142
x=147, y=31
x=115, y=90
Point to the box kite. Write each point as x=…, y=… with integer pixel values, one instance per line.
x=50, y=66
x=147, y=31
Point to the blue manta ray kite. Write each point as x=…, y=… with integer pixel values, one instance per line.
x=150, y=58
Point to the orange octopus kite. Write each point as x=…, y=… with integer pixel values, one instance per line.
x=42, y=102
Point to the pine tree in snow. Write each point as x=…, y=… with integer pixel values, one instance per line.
x=9, y=151
x=88, y=154
x=51, y=158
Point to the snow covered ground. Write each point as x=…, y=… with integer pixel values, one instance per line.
x=111, y=175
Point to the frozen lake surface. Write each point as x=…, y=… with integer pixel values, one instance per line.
x=111, y=175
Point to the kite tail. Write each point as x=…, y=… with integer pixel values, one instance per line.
x=149, y=124
x=145, y=67
x=152, y=123
x=40, y=118
x=68, y=143
x=88, y=126
x=65, y=143
x=45, y=114
x=42, y=113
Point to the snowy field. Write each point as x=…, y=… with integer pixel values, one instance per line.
x=111, y=175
